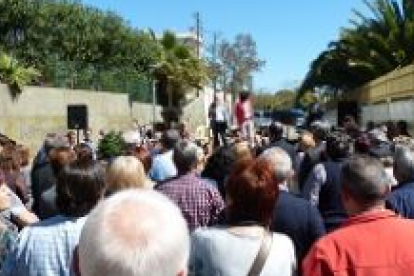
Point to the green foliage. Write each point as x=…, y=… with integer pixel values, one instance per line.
x=281, y=100
x=178, y=70
x=111, y=145
x=78, y=46
x=15, y=74
x=370, y=48
x=236, y=62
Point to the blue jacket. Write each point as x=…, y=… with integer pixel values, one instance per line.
x=298, y=219
x=401, y=200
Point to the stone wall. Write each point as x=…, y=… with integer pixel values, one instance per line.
x=39, y=110
x=143, y=113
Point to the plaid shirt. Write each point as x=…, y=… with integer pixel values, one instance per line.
x=200, y=202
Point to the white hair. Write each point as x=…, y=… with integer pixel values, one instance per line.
x=133, y=233
x=281, y=162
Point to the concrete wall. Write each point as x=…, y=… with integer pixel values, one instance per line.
x=398, y=84
x=39, y=110
x=392, y=110
x=390, y=97
x=143, y=113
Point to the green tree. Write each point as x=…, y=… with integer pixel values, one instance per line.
x=178, y=72
x=373, y=46
x=281, y=100
x=237, y=61
x=16, y=75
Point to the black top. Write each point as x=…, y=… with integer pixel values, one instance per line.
x=330, y=200
x=299, y=220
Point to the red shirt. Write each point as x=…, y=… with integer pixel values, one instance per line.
x=240, y=116
x=377, y=243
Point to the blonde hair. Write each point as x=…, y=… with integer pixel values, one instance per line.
x=126, y=172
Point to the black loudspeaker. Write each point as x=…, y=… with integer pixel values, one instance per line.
x=77, y=117
x=348, y=108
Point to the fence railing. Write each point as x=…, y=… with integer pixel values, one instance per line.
x=73, y=76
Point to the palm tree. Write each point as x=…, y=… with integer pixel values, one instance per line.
x=16, y=75
x=178, y=71
x=370, y=48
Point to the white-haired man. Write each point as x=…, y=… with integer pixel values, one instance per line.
x=292, y=215
x=124, y=236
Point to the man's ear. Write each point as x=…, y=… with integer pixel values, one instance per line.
x=75, y=261
x=183, y=272
x=291, y=174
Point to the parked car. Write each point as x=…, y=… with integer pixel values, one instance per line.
x=262, y=119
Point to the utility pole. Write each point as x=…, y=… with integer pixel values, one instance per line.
x=215, y=38
x=198, y=32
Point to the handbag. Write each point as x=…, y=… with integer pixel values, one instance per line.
x=262, y=255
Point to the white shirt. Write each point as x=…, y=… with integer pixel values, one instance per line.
x=221, y=113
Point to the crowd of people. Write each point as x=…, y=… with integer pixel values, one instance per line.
x=330, y=201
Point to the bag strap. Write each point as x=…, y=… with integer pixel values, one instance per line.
x=262, y=255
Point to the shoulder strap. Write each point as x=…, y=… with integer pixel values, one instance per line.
x=262, y=255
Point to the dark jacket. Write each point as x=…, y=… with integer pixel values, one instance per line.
x=330, y=200
x=43, y=179
x=401, y=200
x=312, y=157
x=299, y=220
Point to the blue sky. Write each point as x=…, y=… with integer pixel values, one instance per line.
x=289, y=34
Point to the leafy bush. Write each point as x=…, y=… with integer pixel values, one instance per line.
x=112, y=145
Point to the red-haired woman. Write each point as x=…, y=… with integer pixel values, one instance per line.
x=251, y=192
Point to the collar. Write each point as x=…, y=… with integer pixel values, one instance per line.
x=369, y=216
x=283, y=187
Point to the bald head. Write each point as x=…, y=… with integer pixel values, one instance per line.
x=123, y=236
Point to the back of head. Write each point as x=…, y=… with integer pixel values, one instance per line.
x=60, y=153
x=320, y=129
x=244, y=96
x=280, y=161
x=404, y=162
x=242, y=151
x=79, y=187
x=338, y=145
x=185, y=156
x=365, y=180
x=125, y=235
x=275, y=131
x=403, y=127
x=84, y=152
x=169, y=138
x=125, y=172
x=251, y=192
x=362, y=144
x=219, y=164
